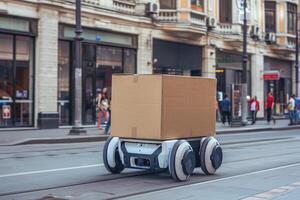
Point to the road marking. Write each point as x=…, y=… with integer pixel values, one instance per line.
x=49, y=170
x=218, y=180
x=273, y=193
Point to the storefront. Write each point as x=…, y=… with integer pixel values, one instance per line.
x=229, y=71
x=103, y=54
x=281, y=88
x=17, y=39
x=176, y=58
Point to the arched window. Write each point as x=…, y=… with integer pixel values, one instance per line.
x=167, y=4
x=225, y=10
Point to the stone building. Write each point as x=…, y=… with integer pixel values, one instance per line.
x=183, y=37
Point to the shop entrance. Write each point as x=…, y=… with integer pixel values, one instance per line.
x=282, y=90
x=99, y=63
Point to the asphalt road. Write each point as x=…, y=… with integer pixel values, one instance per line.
x=263, y=165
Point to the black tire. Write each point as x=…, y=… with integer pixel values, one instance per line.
x=209, y=165
x=119, y=167
x=187, y=162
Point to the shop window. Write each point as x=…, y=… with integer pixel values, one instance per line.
x=129, y=61
x=225, y=11
x=64, y=82
x=6, y=79
x=167, y=4
x=197, y=5
x=16, y=80
x=292, y=14
x=24, y=84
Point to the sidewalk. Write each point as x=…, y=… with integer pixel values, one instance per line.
x=51, y=136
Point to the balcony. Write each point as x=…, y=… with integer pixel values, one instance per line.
x=190, y=17
x=123, y=6
x=168, y=16
x=198, y=18
x=229, y=29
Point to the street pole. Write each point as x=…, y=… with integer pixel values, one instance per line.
x=77, y=127
x=244, y=74
x=297, y=57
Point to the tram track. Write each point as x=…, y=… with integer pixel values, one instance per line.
x=193, y=183
x=139, y=174
x=110, y=178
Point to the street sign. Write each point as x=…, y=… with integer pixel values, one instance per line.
x=271, y=75
x=6, y=112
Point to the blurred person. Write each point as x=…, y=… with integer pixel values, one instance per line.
x=291, y=109
x=226, y=110
x=269, y=106
x=254, y=108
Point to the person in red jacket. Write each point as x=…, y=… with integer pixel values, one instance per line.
x=270, y=106
x=254, y=108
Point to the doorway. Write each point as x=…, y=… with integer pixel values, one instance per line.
x=99, y=63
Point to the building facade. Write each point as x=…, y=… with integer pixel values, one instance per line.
x=182, y=37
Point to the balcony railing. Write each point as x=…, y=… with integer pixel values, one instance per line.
x=229, y=29
x=168, y=16
x=198, y=18
x=124, y=6
x=173, y=16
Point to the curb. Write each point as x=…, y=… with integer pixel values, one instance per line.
x=258, y=129
x=60, y=140
x=99, y=138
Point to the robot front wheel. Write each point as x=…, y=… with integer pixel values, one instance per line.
x=211, y=155
x=182, y=158
x=111, y=156
x=181, y=161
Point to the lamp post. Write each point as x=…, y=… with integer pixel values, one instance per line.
x=77, y=127
x=244, y=74
x=297, y=56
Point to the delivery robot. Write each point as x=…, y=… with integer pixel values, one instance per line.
x=180, y=156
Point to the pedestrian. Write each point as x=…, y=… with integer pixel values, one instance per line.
x=107, y=127
x=291, y=110
x=254, y=108
x=270, y=106
x=226, y=109
x=102, y=104
x=297, y=110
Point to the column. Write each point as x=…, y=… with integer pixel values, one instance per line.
x=46, y=68
x=145, y=50
x=257, y=82
x=209, y=62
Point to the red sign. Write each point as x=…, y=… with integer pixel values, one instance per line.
x=6, y=112
x=271, y=75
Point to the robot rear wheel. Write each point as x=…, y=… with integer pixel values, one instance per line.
x=111, y=156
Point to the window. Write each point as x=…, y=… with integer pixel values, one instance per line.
x=64, y=82
x=292, y=14
x=16, y=80
x=270, y=16
x=225, y=11
x=197, y=5
x=167, y=4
